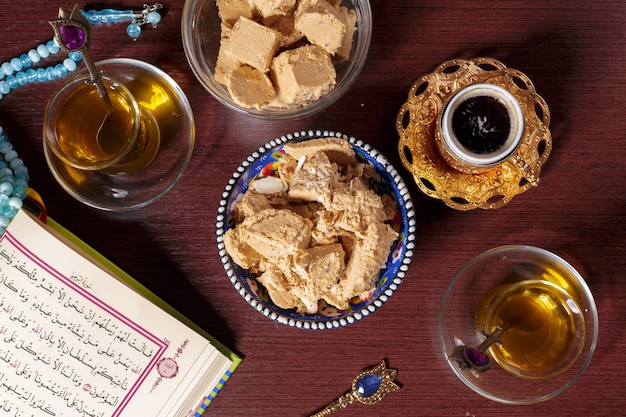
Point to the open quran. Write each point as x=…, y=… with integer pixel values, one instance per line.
x=80, y=338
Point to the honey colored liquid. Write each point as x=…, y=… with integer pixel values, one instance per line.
x=544, y=328
x=84, y=137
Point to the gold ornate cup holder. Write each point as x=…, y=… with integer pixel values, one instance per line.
x=463, y=189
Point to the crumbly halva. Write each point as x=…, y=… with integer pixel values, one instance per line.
x=369, y=254
x=325, y=237
x=338, y=150
x=276, y=233
x=318, y=269
x=314, y=181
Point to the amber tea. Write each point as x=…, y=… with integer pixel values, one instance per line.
x=85, y=133
x=544, y=327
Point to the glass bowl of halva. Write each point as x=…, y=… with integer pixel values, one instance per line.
x=316, y=229
x=277, y=59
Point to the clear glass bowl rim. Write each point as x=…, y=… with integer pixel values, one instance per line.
x=593, y=314
x=357, y=61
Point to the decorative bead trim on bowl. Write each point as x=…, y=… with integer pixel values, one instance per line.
x=404, y=253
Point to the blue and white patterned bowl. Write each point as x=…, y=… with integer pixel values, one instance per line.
x=390, y=277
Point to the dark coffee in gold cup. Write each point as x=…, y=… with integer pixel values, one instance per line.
x=480, y=127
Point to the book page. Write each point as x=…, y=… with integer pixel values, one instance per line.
x=75, y=341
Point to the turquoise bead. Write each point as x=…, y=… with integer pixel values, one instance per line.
x=15, y=203
x=12, y=81
x=16, y=162
x=21, y=77
x=8, y=211
x=22, y=178
x=43, y=52
x=34, y=56
x=42, y=75
x=153, y=17
x=69, y=64
x=75, y=56
x=6, y=188
x=53, y=48
x=4, y=87
x=4, y=199
x=31, y=75
x=26, y=61
x=16, y=64
x=20, y=171
x=6, y=172
x=20, y=189
x=5, y=147
x=11, y=155
x=4, y=222
x=60, y=70
x=133, y=30
x=6, y=68
x=51, y=74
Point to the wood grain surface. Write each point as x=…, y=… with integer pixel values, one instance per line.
x=573, y=50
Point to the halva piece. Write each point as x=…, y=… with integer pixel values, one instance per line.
x=270, y=8
x=226, y=63
x=276, y=233
x=250, y=87
x=231, y=10
x=337, y=149
x=253, y=44
x=322, y=25
x=302, y=75
x=314, y=181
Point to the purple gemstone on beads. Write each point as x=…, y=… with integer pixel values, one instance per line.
x=72, y=37
x=477, y=357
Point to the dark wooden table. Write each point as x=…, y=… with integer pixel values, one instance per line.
x=573, y=50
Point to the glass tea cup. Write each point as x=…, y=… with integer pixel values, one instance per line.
x=132, y=168
x=86, y=134
x=83, y=132
x=518, y=324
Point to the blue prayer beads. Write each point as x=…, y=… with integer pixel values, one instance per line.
x=13, y=182
x=16, y=76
